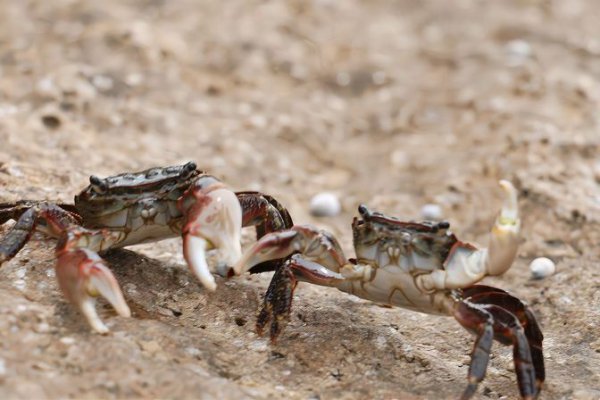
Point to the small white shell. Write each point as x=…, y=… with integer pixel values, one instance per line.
x=542, y=267
x=431, y=212
x=325, y=205
x=519, y=48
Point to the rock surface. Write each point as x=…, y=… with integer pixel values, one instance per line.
x=394, y=104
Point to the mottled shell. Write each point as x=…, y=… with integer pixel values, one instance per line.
x=414, y=245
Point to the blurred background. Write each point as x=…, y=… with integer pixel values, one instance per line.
x=411, y=107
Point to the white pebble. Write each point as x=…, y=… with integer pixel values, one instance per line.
x=542, y=267
x=134, y=79
x=343, y=78
x=67, y=340
x=192, y=351
x=325, y=205
x=431, y=212
x=102, y=82
x=14, y=171
x=19, y=284
x=518, y=48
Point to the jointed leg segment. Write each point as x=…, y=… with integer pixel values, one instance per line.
x=278, y=299
x=47, y=217
x=512, y=323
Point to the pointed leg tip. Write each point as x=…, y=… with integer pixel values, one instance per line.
x=469, y=391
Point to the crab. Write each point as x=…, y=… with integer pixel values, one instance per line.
x=418, y=266
x=138, y=207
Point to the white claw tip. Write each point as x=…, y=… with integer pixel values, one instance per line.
x=510, y=210
x=194, y=251
x=88, y=310
x=211, y=286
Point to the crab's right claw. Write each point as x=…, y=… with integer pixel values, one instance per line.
x=82, y=276
x=504, y=239
x=212, y=219
x=314, y=245
x=272, y=246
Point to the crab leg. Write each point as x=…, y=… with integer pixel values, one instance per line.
x=28, y=216
x=277, y=304
x=264, y=212
x=507, y=330
x=212, y=219
x=267, y=215
x=18, y=235
x=481, y=322
x=481, y=294
x=315, y=245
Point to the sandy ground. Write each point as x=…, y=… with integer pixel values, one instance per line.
x=392, y=103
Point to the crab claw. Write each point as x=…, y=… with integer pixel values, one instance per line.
x=315, y=245
x=270, y=247
x=509, y=214
x=213, y=219
x=82, y=276
x=504, y=237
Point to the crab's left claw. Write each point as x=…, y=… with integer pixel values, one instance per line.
x=504, y=238
x=82, y=276
x=212, y=219
x=466, y=265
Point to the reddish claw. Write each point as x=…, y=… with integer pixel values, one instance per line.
x=82, y=276
x=212, y=219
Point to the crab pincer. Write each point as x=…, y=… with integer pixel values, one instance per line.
x=315, y=244
x=83, y=275
x=212, y=219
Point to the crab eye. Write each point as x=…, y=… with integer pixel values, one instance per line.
x=364, y=211
x=443, y=225
x=188, y=168
x=98, y=185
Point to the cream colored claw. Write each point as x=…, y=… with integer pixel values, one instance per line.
x=194, y=251
x=467, y=265
x=213, y=220
x=504, y=238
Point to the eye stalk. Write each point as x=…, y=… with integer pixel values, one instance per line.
x=443, y=225
x=188, y=168
x=364, y=211
x=98, y=185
